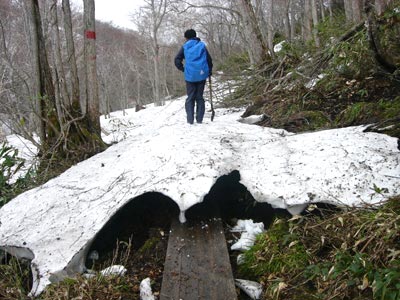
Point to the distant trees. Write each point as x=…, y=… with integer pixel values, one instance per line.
x=151, y=19
x=354, y=8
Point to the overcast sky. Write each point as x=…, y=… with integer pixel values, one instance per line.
x=115, y=11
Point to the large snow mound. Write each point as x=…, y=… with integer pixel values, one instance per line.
x=55, y=223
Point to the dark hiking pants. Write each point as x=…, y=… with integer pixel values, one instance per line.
x=195, y=95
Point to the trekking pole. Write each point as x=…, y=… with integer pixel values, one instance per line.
x=212, y=106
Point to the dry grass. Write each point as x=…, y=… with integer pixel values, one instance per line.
x=352, y=254
x=15, y=278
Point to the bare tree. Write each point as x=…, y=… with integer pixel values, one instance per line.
x=153, y=15
x=270, y=26
x=348, y=9
x=287, y=19
x=65, y=131
x=357, y=10
x=382, y=58
x=92, y=97
x=75, y=108
x=15, y=68
x=258, y=47
x=49, y=124
x=381, y=5
x=353, y=10
x=307, y=21
x=314, y=10
x=60, y=82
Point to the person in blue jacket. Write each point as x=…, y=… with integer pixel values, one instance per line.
x=198, y=67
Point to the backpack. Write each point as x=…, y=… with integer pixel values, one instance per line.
x=196, y=66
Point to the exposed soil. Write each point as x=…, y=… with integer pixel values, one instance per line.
x=146, y=261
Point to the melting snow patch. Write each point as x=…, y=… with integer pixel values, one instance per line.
x=145, y=290
x=253, y=119
x=278, y=47
x=251, y=288
x=249, y=231
x=240, y=259
x=115, y=270
x=26, y=151
x=313, y=82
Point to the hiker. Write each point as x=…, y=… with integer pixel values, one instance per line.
x=198, y=66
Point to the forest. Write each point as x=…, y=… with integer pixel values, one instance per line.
x=306, y=65
x=136, y=67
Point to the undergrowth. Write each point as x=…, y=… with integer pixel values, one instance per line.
x=146, y=261
x=15, y=278
x=10, y=164
x=352, y=254
x=311, y=88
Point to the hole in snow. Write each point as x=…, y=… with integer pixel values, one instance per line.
x=136, y=222
x=230, y=199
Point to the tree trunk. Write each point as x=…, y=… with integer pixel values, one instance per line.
x=381, y=5
x=158, y=13
x=380, y=55
x=321, y=5
x=288, y=32
x=356, y=9
x=314, y=11
x=75, y=95
x=157, y=81
x=258, y=43
x=307, y=21
x=41, y=124
x=48, y=113
x=330, y=9
x=348, y=9
x=63, y=97
x=292, y=19
x=92, y=97
x=270, y=27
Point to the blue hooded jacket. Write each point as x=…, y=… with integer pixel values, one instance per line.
x=198, y=62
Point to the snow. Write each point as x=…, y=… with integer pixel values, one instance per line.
x=254, y=119
x=313, y=82
x=278, y=47
x=114, y=270
x=54, y=224
x=249, y=231
x=251, y=288
x=145, y=290
x=26, y=150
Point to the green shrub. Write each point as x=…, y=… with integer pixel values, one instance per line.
x=352, y=254
x=10, y=164
x=274, y=253
x=360, y=274
x=235, y=63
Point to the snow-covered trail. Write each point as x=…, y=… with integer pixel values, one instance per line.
x=55, y=223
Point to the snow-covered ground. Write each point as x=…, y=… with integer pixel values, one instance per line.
x=157, y=150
